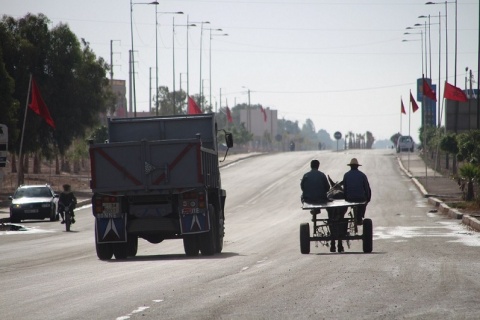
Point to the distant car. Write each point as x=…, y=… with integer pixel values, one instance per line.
x=34, y=202
x=405, y=143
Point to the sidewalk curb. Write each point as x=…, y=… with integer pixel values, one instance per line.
x=472, y=222
x=441, y=206
x=242, y=157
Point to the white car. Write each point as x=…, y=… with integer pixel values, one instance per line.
x=405, y=143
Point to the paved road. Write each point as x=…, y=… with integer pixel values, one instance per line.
x=423, y=265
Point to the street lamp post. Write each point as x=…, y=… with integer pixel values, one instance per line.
x=421, y=42
x=201, y=45
x=156, y=54
x=173, y=46
x=446, y=33
x=424, y=42
x=455, y=68
x=248, y=110
x=132, y=60
x=439, y=112
x=210, y=59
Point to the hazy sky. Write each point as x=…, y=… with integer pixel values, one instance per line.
x=341, y=63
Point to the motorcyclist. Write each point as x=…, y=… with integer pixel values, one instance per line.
x=66, y=199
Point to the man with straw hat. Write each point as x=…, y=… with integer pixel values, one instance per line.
x=357, y=189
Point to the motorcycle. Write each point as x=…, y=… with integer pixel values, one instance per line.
x=68, y=217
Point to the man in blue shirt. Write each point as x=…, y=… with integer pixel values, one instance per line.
x=314, y=185
x=357, y=189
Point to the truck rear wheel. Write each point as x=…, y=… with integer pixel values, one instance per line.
x=220, y=233
x=207, y=239
x=132, y=245
x=120, y=250
x=104, y=250
x=190, y=245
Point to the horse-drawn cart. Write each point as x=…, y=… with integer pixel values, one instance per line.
x=337, y=227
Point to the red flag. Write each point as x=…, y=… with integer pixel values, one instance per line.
x=454, y=93
x=414, y=103
x=229, y=115
x=403, y=108
x=427, y=91
x=264, y=114
x=38, y=105
x=193, y=107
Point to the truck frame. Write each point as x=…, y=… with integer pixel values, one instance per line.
x=158, y=178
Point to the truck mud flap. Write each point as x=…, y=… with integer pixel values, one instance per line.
x=111, y=230
x=194, y=223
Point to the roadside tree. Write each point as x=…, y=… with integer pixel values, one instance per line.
x=71, y=79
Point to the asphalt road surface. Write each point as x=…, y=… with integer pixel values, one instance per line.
x=423, y=265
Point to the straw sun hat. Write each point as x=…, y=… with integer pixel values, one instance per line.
x=354, y=162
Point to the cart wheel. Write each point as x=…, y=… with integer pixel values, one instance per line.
x=367, y=235
x=305, y=238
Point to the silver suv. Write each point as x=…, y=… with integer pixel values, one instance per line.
x=405, y=143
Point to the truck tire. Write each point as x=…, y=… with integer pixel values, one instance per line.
x=14, y=219
x=367, y=236
x=207, y=239
x=220, y=233
x=132, y=245
x=190, y=245
x=104, y=250
x=304, y=238
x=120, y=250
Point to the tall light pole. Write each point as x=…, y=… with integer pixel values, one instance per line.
x=446, y=44
x=156, y=54
x=210, y=59
x=173, y=46
x=439, y=84
x=421, y=42
x=201, y=48
x=248, y=110
x=419, y=25
x=173, y=62
x=429, y=44
x=188, y=25
x=132, y=59
x=423, y=103
x=446, y=33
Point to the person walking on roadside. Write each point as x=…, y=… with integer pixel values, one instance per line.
x=314, y=185
x=357, y=189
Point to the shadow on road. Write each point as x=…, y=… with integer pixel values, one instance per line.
x=179, y=256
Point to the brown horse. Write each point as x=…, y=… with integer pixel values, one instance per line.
x=337, y=223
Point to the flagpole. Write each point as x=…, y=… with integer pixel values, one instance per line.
x=442, y=108
x=20, y=164
x=409, y=112
x=424, y=120
x=401, y=104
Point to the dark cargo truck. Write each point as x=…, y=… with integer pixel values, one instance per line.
x=158, y=178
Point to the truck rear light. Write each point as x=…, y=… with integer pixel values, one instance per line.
x=103, y=204
x=201, y=200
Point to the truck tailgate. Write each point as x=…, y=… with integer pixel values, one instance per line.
x=145, y=165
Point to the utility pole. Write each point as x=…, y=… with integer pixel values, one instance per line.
x=111, y=66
